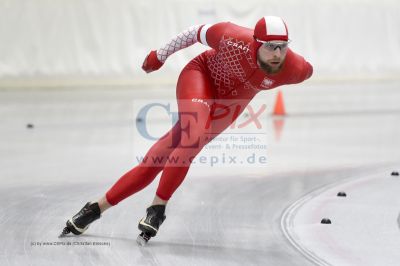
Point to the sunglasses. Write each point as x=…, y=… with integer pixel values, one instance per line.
x=271, y=46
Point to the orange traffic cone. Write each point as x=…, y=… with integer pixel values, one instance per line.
x=279, y=108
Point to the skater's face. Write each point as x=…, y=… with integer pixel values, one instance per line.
x=271, y=55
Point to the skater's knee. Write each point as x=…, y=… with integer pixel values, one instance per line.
x=196, y=138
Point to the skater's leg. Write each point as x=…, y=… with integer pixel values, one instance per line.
x=202, y=132
x=174, y=172
x=195, y=96
x=128, y=184
x=143, y=174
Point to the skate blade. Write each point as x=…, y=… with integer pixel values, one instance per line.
x=142, y=240
x=65, y=232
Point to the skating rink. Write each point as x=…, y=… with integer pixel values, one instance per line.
x=340, y=136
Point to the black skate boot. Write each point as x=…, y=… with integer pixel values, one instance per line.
x=80, y=221
x=150, y=225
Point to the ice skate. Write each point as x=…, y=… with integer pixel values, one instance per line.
x=80, y=222
x=150, y=224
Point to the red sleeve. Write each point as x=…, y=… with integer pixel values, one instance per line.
x=300, y=69
x=211, y=35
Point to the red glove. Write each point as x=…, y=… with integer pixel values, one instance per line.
x=151, y=63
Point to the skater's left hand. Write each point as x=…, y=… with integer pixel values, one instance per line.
x=151, y=63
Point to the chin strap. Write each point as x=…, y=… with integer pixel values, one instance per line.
x=182, y=40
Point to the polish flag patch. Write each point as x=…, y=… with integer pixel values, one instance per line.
x=267, y=83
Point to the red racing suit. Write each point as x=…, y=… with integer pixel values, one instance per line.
x=228, y=72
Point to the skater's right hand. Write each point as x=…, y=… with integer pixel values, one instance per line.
x=151, y=63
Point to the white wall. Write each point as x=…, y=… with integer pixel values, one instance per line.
x=108, y=39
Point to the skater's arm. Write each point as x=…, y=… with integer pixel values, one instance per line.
x=157, y=58
x=211, y=34
x=184, y=39
x=208, y=34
